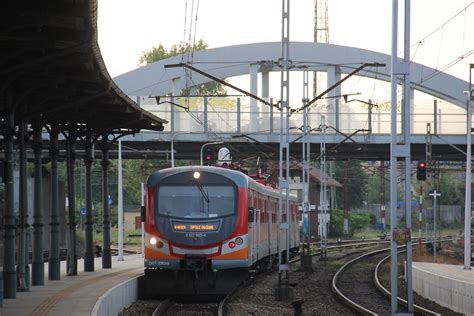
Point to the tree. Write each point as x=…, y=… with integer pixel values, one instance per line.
x=452, y=189
x=159, y=53
x=358, y=179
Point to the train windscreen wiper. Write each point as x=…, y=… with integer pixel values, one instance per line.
x=203, y=192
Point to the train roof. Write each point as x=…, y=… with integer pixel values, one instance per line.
x=239, y=178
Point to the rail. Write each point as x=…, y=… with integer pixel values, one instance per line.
x=379, y=286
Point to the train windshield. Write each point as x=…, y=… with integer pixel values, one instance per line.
x=197, y=201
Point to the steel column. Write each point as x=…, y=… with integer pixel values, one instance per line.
x=9, y=242
x=393, y=162
x=106, y=254
x=407, y=107
x=71, y=158
x=37, y=267
x=89, y=251
x=23, y=251
x=467, y=202
x=54, y=269
x=120, y=203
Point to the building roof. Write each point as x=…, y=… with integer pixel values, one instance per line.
x=315, y=174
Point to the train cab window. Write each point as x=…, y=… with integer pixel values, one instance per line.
x=196, y=202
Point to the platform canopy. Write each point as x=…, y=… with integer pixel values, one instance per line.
x=51, y=68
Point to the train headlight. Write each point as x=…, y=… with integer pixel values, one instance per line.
x=153, y=241
x=160, y=244
x=239, y=241
x=231, y=244
x=196, y=175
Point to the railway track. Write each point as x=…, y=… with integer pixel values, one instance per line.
x=357, y=284
x=172, y=307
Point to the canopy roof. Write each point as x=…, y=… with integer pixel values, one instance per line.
x=52, y=68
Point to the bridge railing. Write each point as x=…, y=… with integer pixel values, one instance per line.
x=238, y=115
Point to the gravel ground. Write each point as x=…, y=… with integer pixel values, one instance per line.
x=313, y=288
x=384, y=277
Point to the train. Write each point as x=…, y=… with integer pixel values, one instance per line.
x=208, y=228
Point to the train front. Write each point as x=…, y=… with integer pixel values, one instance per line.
x=196, y=231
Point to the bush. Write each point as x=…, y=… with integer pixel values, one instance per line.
x=357, y=222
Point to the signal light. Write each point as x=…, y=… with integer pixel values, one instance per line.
x=231, y=244
x=421, y=171
x=208, y=157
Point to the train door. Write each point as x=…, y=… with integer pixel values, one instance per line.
x=257, y=226
x=266, y=216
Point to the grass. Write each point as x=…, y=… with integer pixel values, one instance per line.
x=130, y=237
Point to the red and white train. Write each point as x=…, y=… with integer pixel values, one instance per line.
x=207, y=228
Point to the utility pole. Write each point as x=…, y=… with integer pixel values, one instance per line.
x=346, y=197
x=321, y=35
x=306, y=260
x=283, y=291
x=400, y=150
x=382, y=196
x=323, y=204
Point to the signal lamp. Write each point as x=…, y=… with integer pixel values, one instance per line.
x=239, y=241
x=421, y=171
x=231, y=244
x=160, y=244
x=153, y=241
x=208, y=157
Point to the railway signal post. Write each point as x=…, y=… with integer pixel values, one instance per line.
x=435, y=194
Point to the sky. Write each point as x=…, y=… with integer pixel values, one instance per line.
x=128, y=28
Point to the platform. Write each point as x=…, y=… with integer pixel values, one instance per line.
x=449, y=285
x=73, y=295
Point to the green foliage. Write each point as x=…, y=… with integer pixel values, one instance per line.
x=357, y=222
x=373, y=188
x=452, y=189
x=358, y=179
x=159, y=52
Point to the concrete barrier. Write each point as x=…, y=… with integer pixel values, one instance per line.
x=116, y=299
x=448, y=285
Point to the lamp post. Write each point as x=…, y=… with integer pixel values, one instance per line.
x=370, y=104
x=206, y=144
x=172, y=146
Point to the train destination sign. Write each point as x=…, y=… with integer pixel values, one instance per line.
x=195, y=226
